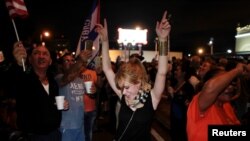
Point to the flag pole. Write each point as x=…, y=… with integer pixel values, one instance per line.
x=14, y=25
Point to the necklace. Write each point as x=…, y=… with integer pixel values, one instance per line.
x=138, y=101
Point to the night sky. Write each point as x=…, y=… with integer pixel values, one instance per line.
x=193, y=22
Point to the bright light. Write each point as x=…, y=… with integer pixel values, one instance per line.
x=200, y=51
x=211, y=41
x=43, y=43
x=243, y=39
x=46, y=34
x=229, y=51
x=242, y=35
x=133, y=36
x=138, y=28
x=189, y=55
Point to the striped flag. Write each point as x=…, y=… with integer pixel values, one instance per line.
x=88, y=32
x=16, y=8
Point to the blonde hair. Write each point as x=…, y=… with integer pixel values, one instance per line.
x=134, y=72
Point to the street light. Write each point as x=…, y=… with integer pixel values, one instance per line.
x=200, y=51
x=211, y=44
x=44, y=34
x=229, y=51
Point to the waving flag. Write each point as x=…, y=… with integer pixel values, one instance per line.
x=88, y=32
x=16, y=8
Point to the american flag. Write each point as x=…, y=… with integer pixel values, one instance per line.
x=88, y=32
x=16, y=8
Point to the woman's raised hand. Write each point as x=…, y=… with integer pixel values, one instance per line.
x=163, y=28
x=102, y=30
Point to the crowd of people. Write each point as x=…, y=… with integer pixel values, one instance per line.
x=209, y=94
x=202, y=91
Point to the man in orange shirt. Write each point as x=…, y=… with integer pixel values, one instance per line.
x=89, y=100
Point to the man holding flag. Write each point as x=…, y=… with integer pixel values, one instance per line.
x=34, y=90
x=89, y=40
x=17, y=8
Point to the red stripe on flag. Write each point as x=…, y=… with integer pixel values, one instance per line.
x=16, y=8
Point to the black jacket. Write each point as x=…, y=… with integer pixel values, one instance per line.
x=36, y=109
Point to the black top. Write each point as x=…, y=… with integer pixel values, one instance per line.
x=140, y=125
x=36, y=109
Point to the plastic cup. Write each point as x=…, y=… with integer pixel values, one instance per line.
x=59, y=102
x=88, y=85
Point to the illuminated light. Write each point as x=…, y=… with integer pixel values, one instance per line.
x=200, y=51
x=242, y=35
x=46, y=33
x=133, y=36
x=73, y=53
x=43, y=43
x=242, y=39
x=189, y=55
x=229, y=51
x=42, y=35
x=241, y=30
x=210, y=42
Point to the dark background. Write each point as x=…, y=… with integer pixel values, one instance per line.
x=193, y=22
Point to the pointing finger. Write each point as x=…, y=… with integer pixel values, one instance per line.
x=164, y=16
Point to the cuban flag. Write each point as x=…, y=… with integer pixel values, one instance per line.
x=88, y=33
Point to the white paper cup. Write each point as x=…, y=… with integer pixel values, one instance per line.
x=59, y=102
x=88, y=85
